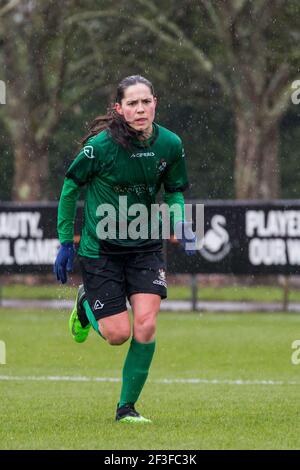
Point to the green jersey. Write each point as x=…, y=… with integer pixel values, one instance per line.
x=118, y=182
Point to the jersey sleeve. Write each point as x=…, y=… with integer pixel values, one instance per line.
x=176, y=179
x=86, y=164
x=175, y=201
x=67, y=211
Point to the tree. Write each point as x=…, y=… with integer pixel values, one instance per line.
x=233, y=53
x=49, y=66
x=249, y=50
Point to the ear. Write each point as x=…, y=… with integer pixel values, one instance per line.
x=118, y=108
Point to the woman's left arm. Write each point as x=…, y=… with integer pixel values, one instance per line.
x=175, y=182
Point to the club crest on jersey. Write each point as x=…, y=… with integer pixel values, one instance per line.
x=162, y=165
x=162, y=274
x=161, y=281
x=88, y=151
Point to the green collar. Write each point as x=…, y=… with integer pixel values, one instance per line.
x=147, y=142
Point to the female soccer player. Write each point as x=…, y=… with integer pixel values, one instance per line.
x=124, y=160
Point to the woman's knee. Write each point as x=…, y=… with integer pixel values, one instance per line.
x=117, y=334
x=144, y=331
x=116, y=338
x=115, y=329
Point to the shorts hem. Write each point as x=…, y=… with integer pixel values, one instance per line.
x=109, y=314
x=146, y=291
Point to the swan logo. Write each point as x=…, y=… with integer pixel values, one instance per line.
x=216, y=240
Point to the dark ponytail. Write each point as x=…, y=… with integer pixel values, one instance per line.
x=118, y=128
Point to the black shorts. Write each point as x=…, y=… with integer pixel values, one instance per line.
x=110, y=279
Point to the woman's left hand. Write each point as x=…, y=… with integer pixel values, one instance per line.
x=185, y=235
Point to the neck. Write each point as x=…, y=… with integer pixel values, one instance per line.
x=147, y=133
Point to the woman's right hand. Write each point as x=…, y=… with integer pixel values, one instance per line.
x=64, y=261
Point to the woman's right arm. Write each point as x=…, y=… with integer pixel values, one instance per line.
x=79, y=173
x=67, y=211
x=65, y=227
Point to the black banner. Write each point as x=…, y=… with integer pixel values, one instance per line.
x=244, y=238
x=28, y=237
x=240, y=237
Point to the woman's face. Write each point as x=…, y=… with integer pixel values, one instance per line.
x=138, y=107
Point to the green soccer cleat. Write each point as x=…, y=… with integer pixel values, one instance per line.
x=77, y=331
x=128, y=414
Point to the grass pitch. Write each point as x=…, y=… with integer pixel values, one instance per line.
x=175, y=292
x=216, y=382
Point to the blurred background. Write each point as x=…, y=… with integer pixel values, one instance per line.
x=223, y=73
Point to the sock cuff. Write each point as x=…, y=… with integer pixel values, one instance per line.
x=142, y=347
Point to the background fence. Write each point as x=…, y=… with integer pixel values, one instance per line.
x=244, y=237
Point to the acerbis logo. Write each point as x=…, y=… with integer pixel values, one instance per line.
x=98, y=305
x=88, y=151
x=142, y=154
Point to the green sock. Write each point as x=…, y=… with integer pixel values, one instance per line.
x=91, y=317
x=135, y=370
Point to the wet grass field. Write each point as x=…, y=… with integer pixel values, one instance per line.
x=218, y=381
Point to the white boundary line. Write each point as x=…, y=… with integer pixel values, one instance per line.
x=57, y=378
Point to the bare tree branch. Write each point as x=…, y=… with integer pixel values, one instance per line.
x=279, y=80
x=280, y=106
x=10, y=6
x=91, y=15
x=104, y=90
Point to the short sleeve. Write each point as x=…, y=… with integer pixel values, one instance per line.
x=86, y=164
x=176, y=179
